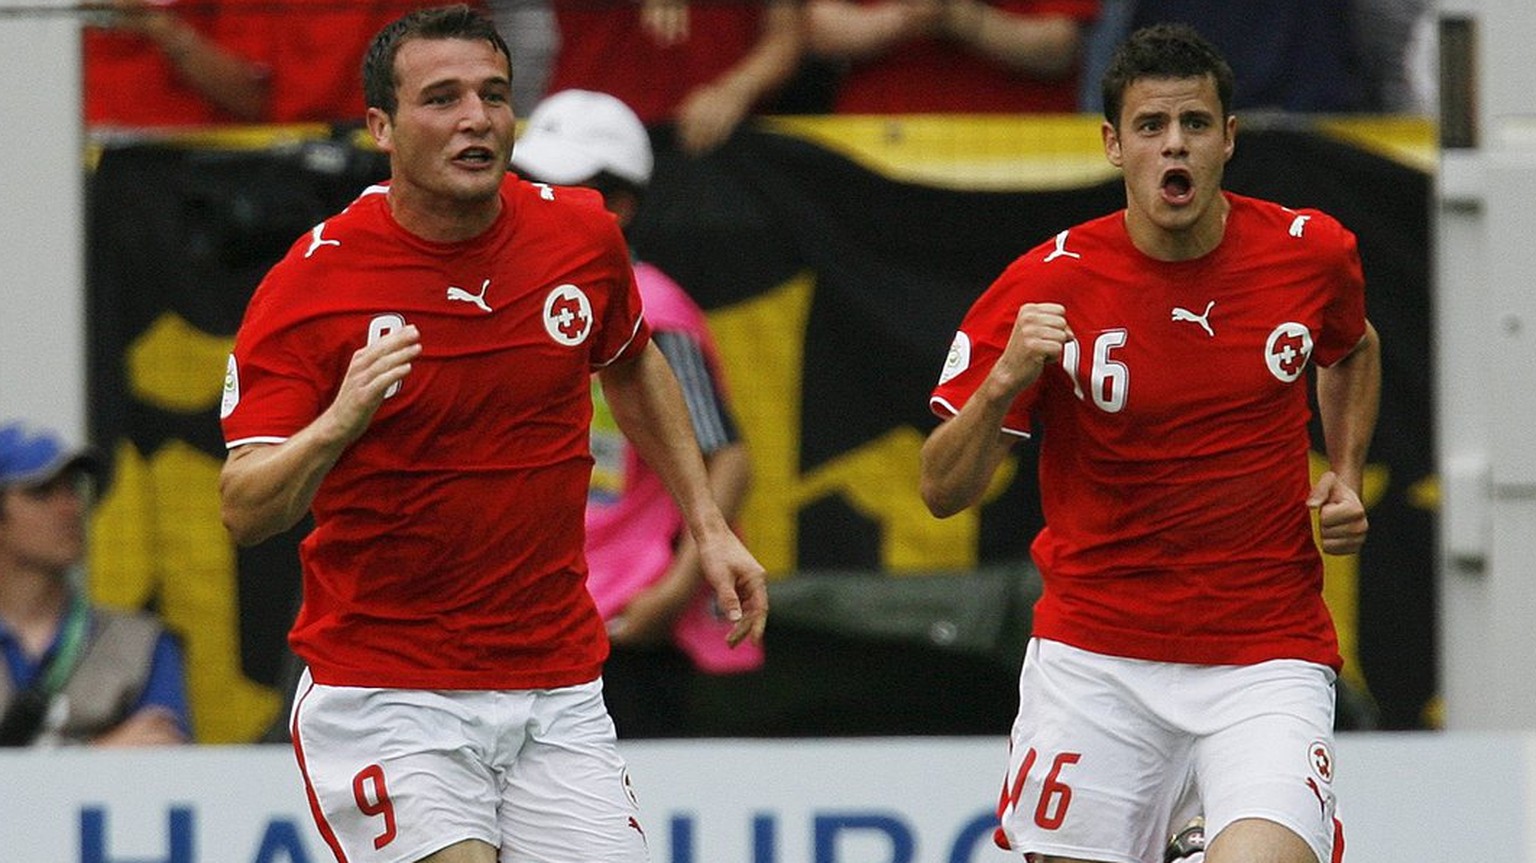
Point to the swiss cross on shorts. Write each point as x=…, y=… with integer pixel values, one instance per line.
x=1322, y=761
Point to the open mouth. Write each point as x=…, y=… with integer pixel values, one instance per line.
x=475, y=157
x=1178, y=186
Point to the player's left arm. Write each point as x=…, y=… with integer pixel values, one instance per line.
x=649, y=407
x=1348, y=399
x=649, y=616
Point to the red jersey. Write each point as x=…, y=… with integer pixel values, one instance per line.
x=1174, y=434
x=603, y=47
x=935, y=75
x=447, y=549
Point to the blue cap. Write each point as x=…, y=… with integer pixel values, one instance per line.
x=32, y=457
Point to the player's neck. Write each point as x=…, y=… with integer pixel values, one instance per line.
x=439, y=219
x=1179, y=242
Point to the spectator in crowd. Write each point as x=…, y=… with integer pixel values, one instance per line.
x=703, y=66
x=936, y=56
x=1100, y=40
x=416, y=373
x=1285, y=55
x=73, y=673
x=1324, y=56
x=314, y=51
x=149, y=64
x=642, y=565
x=176, y=63
x=1182, y=658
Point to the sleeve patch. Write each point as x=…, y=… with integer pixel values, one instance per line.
x=959, y=358
x=231, y=388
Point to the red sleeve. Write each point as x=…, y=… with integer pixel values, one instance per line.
x=982, y=336
x=271, y=391
x=1344, y=315
x=624, y=331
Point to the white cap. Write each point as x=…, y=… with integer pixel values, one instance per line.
x=574, y=135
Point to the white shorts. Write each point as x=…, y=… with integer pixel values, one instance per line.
x=396, y=774
x=1109, y=755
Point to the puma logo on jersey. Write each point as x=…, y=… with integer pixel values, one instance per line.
x=316, y=240
x=546, y=191
x=457, y=293
x=1182, y=314
x=1298, y=225
x=1061, y=248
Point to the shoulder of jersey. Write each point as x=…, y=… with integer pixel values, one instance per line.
x=557, y=197
x=575, y=213
x=1304, y=224
x=335, y=239
x=1066, y=249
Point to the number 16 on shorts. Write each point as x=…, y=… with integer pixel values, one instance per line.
x=1050, y=803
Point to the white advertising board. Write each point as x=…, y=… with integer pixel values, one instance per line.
x=907, y=800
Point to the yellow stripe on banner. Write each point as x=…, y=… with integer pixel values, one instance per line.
x=236, y=138
x=982, y=152
x=1012, y=152
x=987, y=152
x=1412, y=141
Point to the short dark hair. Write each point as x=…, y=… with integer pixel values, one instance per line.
x=1164, y=51
x=458, y=21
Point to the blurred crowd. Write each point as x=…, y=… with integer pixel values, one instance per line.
x=705, y=66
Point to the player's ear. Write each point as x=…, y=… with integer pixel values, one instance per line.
x=382, y=128
x=1112, y=144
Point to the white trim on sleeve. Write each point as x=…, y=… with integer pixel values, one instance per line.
x=940, y=405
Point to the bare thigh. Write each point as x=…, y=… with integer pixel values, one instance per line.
x=1254, y=840
x=468, y=851
x=1249, y=840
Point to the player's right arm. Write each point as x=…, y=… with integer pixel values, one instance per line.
x=264, y=489
x=960, y=456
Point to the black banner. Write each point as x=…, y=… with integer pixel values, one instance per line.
x=833, y=289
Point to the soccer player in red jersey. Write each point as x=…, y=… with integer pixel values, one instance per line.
x=416, y=373
x=1182, y=658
